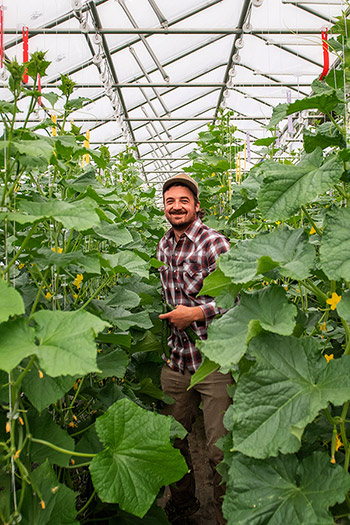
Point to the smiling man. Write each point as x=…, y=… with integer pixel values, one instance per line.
x=190, y=250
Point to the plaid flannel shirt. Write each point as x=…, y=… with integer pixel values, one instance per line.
x=189, y=261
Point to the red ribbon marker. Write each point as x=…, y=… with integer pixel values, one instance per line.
x=39, y=88
x=2, y=35
x=25, y=52
x=325, y=54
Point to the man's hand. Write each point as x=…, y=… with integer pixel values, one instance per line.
x=183, y=316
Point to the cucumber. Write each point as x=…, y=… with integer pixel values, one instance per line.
x=191, y=334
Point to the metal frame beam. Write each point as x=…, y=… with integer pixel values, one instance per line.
x=161, y=31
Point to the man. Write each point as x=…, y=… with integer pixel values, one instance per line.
x=190, y=250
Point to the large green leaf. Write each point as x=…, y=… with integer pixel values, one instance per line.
x=289, y=250
x=229, y=336
x=206, y=368
x=45, y=390
x=80, y=215
x=59, y=500
x=138, y=458
x=288, y=187
x=125, y=262
x=325, y=135
x=284, y=392
x=89, y=263
x=343, y=307
x=335, y=247
x=284, y=491
x=11, y=302
x=120, y=296
x=122, y=318
x=112, y=363
x=119, y=235
x=17, y=341
x=66, y=341
x=324, y=102
x=43, y=427
x=214, y=283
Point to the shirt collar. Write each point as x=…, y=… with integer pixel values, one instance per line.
x=191, y=232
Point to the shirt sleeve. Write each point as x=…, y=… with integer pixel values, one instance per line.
x=217, y=247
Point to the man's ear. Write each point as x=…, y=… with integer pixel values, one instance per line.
x=198, y=205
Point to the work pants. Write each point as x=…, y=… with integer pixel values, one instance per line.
x=215, y=401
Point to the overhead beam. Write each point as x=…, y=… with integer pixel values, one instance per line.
x=161, y=31
x=184, y=85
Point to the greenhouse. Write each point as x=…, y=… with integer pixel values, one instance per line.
x=174, y=225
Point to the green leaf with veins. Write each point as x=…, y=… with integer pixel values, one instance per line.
x=335, y=245
x=43, y=391
x=11, y=302
x=112, y=363
x=325, y=135
x=59, y=500
x=44, y=427
x=67, y=341
x=215, y=283
x=228, y=337
x=343, y=307
x=284, y=392
x=284, y=490
x=138, y=458
x=288, y=187
x=325, y=102
x=287, y=250
x=125, y=262
x=17, y=341
x=115, y=233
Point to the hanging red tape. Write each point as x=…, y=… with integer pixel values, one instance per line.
x=2, y=35
x=325, y=54
x=25, y=52
x=39, y=88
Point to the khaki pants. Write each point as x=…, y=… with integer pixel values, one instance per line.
x=215, y=400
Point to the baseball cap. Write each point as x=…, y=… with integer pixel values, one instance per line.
x=182, y=178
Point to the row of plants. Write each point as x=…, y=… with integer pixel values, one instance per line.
x=287, y=341
x=80, y=341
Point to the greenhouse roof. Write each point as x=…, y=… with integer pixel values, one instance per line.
x=156, y=72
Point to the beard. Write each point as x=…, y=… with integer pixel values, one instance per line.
x=182, y=221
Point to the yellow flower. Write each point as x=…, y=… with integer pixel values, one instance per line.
x=333, y=460
x=21, y=420
x=48, y=295
x=41, y=375
x=323, y=326
x=213, y=174
x=16, y=456
x=329, y=357
x=59, y=250
x=75, y=385
x=21, y=266
x=77, y=281
x=42, y=504
x=338, y=443
x=334, y=300
x=278, y=223
x=75, y=296
x=312, y=231
x=8, y=426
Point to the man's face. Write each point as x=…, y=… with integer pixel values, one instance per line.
x=179, y=207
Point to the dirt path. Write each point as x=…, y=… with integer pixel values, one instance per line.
x=204, y=488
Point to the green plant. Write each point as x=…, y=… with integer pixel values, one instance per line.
x=79, y=337
x=287, y=451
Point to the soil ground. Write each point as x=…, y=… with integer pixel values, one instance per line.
x=204, y=487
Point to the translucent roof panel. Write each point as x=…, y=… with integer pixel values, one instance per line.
x=156, y=72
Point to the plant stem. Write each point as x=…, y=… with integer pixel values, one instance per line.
x=25, y=372
x=88, y=502
x=328, y=416
x=24, y=243
x=347, y=332
x=344, y=436
x=309, y=218
x=62, y=450
x=311, y=286
x=96, y=292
